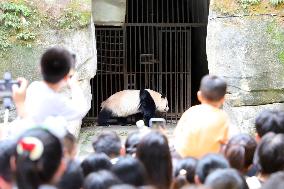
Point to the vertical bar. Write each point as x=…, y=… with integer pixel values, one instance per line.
x=182, y=11
x=171, y=72
x=178, y=20
x=120, y=60
x=140, y=67
x=137, y=11
x=188, y=11
x=101, y=52
x=163, y=8
x=182, y=39
x=168, y=10
x=125, y=76
x=190, y=57
x=147, y=11
x=176, y=72
x=173, y=12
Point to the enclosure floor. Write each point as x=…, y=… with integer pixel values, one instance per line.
x=88, y=133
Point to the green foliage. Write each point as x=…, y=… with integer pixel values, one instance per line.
x=281, y=56
x=276, y=2
x=26, y=36
x=250, y=2
x=246, y=3
x=73, y=19
x=15, y=24
x=14, y=15
x=4, y=43
x=276, y=34
x=17, y=9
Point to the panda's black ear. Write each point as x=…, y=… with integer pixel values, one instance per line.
x=163, y=95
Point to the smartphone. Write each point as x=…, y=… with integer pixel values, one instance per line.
x=6, y=86
x=157, y=123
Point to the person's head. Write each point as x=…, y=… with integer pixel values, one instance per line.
x=101, y=180
x=269, y=121
x=212, y=90
x=153, y=151
x=207, y=165
x=70, y=145
x=108, y=143
x=240, y=152
x=184, y=172
x=130, y=171
x=131, y=143
x=270, y=153
x=56, y=64
x=7, y=150
x=38, y=159
x=276, y=181
x=73, y=177
x=226, y=179
x=95, y=162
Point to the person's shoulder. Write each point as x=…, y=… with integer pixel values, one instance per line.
x=36, y=85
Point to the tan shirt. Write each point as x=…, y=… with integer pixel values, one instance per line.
x=202, y=129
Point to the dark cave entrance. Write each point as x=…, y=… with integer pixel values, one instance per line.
x=161, y=46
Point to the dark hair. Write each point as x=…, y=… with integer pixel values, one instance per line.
x=270, y=153
x=130, y=171
x=108, y=143
x=101, y=180
x=73, y=177
x=95, y=162
x=226, y=179
x=269, y=121
x=240, y=151
x=184, y=172
x=55, y=64
x=210, y=163
x=275, y=181
x=69, y=142
x=213, y=88
x=30, y=174
x=153, y=151
x=7, y=150
x=132, y=141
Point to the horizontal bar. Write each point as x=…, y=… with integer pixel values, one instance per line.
x=155, y=25
x=178, y=25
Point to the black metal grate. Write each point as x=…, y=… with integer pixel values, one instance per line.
x=151, y=50
x=110, y=71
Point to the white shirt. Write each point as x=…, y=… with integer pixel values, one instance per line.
x=42, y=102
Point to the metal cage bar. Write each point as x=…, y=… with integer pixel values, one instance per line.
x=151, y=50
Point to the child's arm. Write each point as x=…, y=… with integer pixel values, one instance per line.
x=77, y=95
x=19, y=96
x=77, y=107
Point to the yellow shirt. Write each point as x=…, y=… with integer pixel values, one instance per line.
x=202, y=129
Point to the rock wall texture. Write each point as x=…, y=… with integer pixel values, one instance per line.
x=248, y=51
x=23, y=61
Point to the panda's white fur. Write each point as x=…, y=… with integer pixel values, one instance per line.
x=128, y=102
x=123, y=103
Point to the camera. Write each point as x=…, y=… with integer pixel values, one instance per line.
x=6, y=90
x=157, y=123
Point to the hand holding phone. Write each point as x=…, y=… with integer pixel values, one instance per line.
x=157, y=123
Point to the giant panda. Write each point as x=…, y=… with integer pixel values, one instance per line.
x=129, y=102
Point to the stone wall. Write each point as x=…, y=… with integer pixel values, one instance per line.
x=247, y=49
x=23, y=61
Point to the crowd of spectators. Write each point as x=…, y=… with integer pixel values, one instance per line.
x=202, y=153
